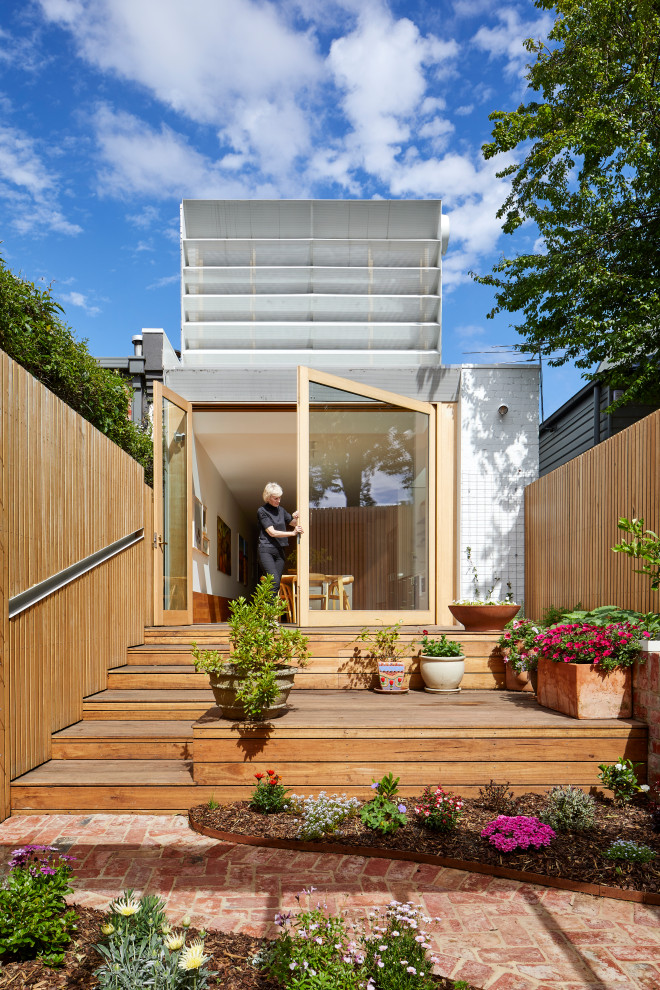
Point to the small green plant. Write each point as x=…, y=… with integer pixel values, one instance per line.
x=140, y=916
x=317, y=951
x=630, y=852
x=269, y=796
x=212, y=804
x=461, y=985
x=34, y=920
x=477, y=599
x=384, y=644
x=569, y=809
x=644, y=545
x=442, y=647
x=261, y=647
x=519, y=643
x=439, y=810
x=140, y=949
x=497, y=797
x=383, y=813
x=322, y=815
x=621, y=779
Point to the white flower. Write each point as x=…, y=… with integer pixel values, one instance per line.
x=644, y=787
x=107, y=929
x=193, y=955
x=174, y=941
x=128, y=906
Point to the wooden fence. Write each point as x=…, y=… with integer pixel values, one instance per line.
x=571, y=520
x=66, y=492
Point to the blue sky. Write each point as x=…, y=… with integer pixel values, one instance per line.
x=112, y=111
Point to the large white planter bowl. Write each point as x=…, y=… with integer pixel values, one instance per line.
x=442, y=675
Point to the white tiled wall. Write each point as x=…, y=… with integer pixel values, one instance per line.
x=498, y=457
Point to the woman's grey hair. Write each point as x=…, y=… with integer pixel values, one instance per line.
x=272, y=488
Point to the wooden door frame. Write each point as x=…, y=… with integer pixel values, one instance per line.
x=311, y=617
x=171, y=617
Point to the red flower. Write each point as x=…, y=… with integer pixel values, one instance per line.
x=259, y=775
x=270, y=773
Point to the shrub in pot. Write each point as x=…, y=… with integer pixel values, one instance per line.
x=483, y=613
x=254, y=681
x=584, y=670
x=385, y=649
x=441, y=664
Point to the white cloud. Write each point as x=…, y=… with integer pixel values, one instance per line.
x=506, y=40
x=146, y=218
x=80, y=300
x=235, y=65
x=381, y=67
x=29, y=189
x=160, y=283
x=139, y=160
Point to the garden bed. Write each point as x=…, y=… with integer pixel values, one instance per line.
x=230, y=964
x=575, y=857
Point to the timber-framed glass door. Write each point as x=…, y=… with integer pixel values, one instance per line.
x=366, y=491
x=172, y=508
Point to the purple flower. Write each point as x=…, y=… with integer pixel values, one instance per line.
x=402, y=809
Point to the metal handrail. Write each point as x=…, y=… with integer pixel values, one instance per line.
x=19, y=603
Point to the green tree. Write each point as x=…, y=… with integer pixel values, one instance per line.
x=33, y=334
x=590, y=181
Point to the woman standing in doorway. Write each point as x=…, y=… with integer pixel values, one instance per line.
x=273, y=533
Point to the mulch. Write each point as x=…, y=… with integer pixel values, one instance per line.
x=573, y=856
x=230, y=965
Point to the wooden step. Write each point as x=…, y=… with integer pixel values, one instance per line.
x=147, y=786
x=124, y=740
x=147, y=705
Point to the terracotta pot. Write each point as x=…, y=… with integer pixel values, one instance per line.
x=484, y=618
x=518, y=681
x=226, y=685
x=442, y=675
x=583, y=690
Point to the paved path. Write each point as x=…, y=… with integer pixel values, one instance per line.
x=499, y=934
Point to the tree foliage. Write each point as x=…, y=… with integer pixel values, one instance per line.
x=33, y=334
x=590, y=181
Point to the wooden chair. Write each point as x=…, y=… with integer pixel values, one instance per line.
x=289, y=593
x=322, y=582
x=337, y=590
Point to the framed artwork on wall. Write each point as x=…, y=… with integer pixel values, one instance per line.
x=224, y=547
x=200, y=535
x=242, y=559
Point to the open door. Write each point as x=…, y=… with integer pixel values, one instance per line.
x=173, y=508
x=366, y=494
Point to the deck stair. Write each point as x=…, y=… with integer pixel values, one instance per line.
x=151, y=742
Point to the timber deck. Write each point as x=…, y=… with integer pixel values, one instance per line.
x=332, y=740
x=153, y=742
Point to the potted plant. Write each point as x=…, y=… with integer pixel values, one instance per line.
x=386, y=650
x=441, y=664
x=484, y=614
x=521, y=654
x=584, y=670
x=254, y=681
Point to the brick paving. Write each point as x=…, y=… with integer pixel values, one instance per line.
x=498, y=934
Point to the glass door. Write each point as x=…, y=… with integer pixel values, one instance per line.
x=173, y=508
x=366, y=489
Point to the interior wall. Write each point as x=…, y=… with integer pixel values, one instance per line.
x=212, y=490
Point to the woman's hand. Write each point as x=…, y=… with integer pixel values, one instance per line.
x=298, y=529
x=295, y=515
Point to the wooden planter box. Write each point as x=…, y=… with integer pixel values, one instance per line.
x=583, y=690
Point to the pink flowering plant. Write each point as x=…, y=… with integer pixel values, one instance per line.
x=608, y=647
x=34, y=920
x=318, y=951
x=519, y=642
x=438, y=809
x=518, y=832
